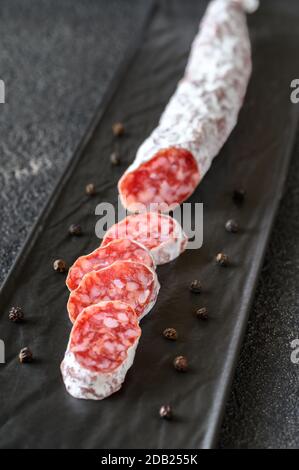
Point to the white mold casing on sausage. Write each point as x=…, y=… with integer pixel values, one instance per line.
x=204, y=108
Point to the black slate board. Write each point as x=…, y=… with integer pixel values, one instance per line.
x=36, y=411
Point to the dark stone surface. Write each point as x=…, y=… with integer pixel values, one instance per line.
x=56, y=59
x=263, y=410
x=45, y=46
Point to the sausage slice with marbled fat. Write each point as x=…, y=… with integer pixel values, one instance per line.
x=160, y=234
x=101, y=349
x=128, y=281
x=124, y=249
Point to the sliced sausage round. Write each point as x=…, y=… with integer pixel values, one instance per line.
x=133, y=283
x=123, y=249
x=160, y=234
x=101, y=349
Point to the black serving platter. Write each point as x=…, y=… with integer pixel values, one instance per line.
x=36, y=412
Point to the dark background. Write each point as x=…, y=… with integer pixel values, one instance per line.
x=57, y=59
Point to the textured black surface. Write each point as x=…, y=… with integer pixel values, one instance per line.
x=51, y=323
x=56, y=58
x=263, y=408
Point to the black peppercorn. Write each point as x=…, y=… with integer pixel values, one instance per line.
x=239, y=196
x=25, y=356
x=232, y=226
x=114, y=158
x=196, y=286
x=118, y=129
x=60, y=266
x=222, y=259
x=170, y=333
x=16, y=314
x=90, y=189
x=180, y=363
x=75, y=229
x=165, y=412
x=202, y=313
